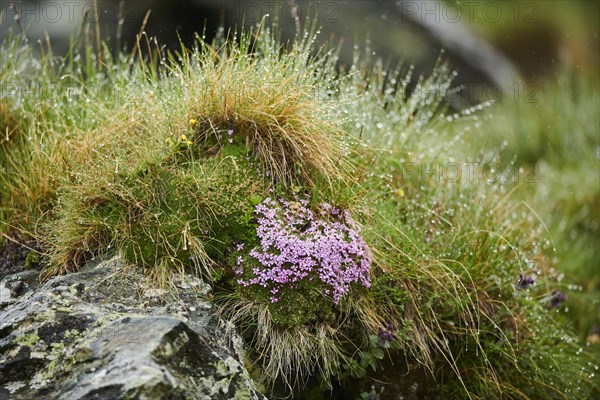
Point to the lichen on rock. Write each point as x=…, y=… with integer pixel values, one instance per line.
x=85, y=335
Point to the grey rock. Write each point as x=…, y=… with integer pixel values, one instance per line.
x=103, y=333
x=471, y=50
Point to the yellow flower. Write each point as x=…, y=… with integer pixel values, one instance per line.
x=193, y=122
x=400, y=192
x=183, y=138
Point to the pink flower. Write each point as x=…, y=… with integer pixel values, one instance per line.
x=296, y=245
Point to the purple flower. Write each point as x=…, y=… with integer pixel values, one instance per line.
x=296, y=245
x=386, y=335
x=525, y=281
x=557, y=299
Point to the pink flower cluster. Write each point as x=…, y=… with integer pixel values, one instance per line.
x=298, y=244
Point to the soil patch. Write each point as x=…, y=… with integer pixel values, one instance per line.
x=17, y=254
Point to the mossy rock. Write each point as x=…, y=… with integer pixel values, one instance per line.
x=82, y=336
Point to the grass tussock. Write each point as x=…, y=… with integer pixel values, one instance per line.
x=169, y=162
x=161, y=216
x=228, y=113
x=275, y=108
x=15, y=195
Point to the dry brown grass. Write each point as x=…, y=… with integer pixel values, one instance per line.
x=277, y=110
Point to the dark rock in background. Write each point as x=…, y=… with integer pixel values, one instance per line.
x=397, y=30
x=533, y=38
x=530, y=45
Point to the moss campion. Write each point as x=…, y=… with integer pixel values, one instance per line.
x=298, y=244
